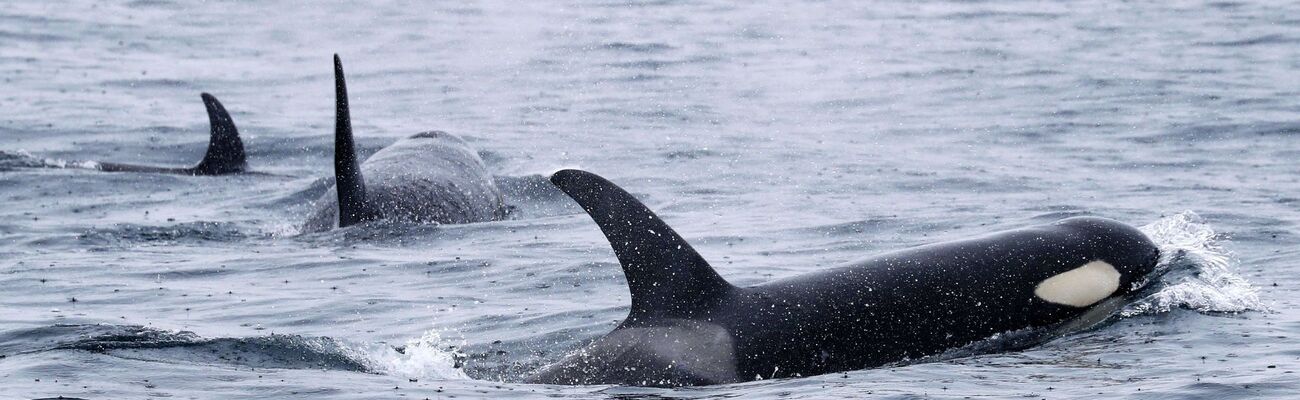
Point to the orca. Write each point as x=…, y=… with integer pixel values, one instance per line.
x=429, y=177
x=225, y=153
x=688, y=326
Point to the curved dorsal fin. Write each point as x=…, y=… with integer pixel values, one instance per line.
x=225, y=151
x=666, y=276
x=347, y=171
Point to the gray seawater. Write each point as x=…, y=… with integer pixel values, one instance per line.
x=779, y=138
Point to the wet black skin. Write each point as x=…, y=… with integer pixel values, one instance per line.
x=688, y=326
x=225, y=153
x=429, y=177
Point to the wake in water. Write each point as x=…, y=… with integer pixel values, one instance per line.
x=426, y=357
x=1195, y=272
x=21, y=159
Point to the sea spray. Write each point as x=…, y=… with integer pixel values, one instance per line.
x=1195, y=271
x=428, y=357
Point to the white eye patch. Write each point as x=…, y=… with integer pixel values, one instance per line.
x=1080, y=287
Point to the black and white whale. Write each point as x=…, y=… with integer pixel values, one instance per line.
x=225, y=153
x=430, y=177
x=689, y=326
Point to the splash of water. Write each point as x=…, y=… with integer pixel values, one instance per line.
x=1194, y=272
x=428, y=357
x=23, y=159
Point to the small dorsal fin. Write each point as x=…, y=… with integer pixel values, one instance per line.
x=225, y=151
x=666, y=276
x=347, y=171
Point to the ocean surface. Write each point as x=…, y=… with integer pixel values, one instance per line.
x=778, y=137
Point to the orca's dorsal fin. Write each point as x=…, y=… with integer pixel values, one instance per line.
x=666, y=276
x=347, y=171
x=225, y=151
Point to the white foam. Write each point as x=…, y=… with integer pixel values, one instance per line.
x=61, y=163
x=22, y=158
x=83, y=164
x=1195, y=272
x=428, y=357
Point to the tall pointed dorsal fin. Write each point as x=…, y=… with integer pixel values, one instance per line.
x=666, y=276
x=347, y=171
x=225, y=151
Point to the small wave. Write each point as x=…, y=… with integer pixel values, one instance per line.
x=206, y=231
x=271, y=351
x=148, y=83
x=1260, y=40
x=376, y=231
x=1194, y=272
x=650, y=47
x=1001, y=15
x=151, y=3
x=1216, y=131
x=653, y=64
x=692, y=154
x=641, y=77
x=22, y=159
x=852, y=228
x=850, y=103
x=310, y=193
x=9, y=161
x=31, y=37
x=426, y=357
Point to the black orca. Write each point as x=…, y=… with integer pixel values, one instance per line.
x=428, y=177
x=225, y=151
x=689, y=326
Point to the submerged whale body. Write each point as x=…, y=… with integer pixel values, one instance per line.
x=225, y=153
x=689, y=326
x=429, y=177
